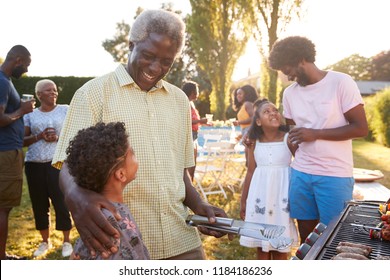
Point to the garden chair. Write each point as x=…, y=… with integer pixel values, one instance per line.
x=208, y=167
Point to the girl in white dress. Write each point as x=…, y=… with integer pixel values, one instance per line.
x=265, y=192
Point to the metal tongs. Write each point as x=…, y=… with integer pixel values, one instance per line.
x=271, y=233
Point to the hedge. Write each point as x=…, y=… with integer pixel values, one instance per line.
x=378, y=116
x=66, y=86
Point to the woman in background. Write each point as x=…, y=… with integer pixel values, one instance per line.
x=42, y=129
x=243, y=100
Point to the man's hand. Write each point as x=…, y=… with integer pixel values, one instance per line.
x=201, y=207
x=210, y=211
x=302, y=134
x=27, y=106
x=85, y=206
x=93, y=227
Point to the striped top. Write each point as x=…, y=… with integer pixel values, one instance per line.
x=159, y=126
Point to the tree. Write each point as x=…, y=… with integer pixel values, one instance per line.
x=119, y=46
x=270, y=18
x=357, y=66
x=219, y=31
x=381, y=66
x=184, y=67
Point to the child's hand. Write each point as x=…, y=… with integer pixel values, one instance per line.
x=247, y=142
x=203, y=121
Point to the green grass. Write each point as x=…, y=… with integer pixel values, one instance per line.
x=23, y=239
x=372, y=156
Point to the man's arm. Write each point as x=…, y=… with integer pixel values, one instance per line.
x=85, y=206
x=25, y=108
x=357, y=127
x=201, y=207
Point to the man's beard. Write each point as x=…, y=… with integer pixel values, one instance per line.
x=302, y=79
x=17, y=72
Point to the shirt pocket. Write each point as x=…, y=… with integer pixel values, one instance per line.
x=324, y=111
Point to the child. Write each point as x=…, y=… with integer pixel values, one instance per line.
x=101, y=159
x=265, y=193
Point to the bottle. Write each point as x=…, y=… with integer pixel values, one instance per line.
x=50, y=126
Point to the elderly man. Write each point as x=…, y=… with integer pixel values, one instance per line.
x=158, y=120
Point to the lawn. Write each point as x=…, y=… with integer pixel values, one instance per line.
x=23, y=239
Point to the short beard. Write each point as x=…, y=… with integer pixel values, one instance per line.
x=17, y=72
x=302, y=79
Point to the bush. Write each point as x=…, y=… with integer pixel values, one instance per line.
x=378, y=116
x=66, y=86
x=369, y=105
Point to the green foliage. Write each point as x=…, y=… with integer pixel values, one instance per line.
x=357, y=66
x=378, y=116
x=218, y=32
x=118, y=47
x=66, y=86
x=360, y=68
x=369, y=107
x=381, y=66
x=269, y=19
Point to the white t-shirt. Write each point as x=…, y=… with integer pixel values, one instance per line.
x=322, y=106
x=38, y=121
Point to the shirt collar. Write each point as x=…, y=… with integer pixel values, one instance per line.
x=124, y=79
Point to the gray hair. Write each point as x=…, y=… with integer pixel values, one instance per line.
x=41, y=83
x=159, y=22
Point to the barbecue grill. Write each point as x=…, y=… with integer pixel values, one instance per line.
x=353, y=225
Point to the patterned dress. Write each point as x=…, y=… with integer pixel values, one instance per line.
x=267, y=200
x=130, y=244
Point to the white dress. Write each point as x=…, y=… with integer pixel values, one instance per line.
x=267, y=200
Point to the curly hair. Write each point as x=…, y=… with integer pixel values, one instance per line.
x=255, y=131
x=94, y=151
x=249, y=96
x=159, y=22
x=291, y=51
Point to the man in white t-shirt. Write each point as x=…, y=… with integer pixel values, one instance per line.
x=327, y=110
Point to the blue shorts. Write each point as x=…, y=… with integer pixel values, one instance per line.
x=316, y=197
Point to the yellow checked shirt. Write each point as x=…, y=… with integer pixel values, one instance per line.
x=159, y=126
